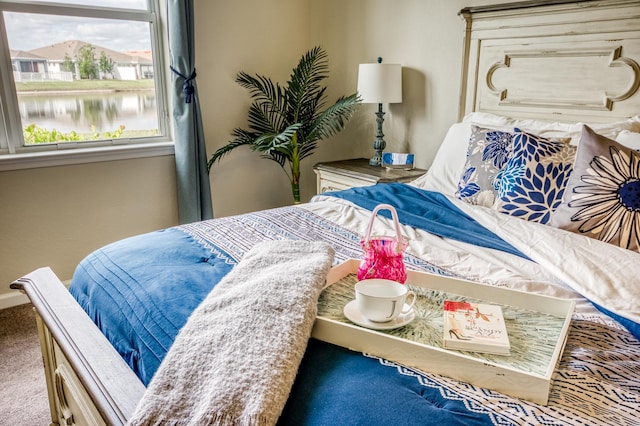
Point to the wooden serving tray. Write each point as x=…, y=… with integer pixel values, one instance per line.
x=537, y=326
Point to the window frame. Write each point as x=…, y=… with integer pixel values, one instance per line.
x=14, y=155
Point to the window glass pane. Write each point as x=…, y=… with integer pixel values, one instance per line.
x=82, y=79
x=124, y=4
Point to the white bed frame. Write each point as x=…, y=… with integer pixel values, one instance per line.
x=560, y=60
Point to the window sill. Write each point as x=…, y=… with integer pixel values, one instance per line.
x=84, y=155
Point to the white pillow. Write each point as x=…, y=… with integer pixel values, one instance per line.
x=552, y=129
x=629, y=139
x=444, y=173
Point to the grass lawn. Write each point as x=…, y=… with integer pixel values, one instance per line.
x=68, y=86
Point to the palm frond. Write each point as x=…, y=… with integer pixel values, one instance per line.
x=333, y=119
x=280, y=142
x=328, y=123
x=261, y=88
x=310, y=111
x=265, y=113
x=263, y=118
x=278, y=157
x=242, y=137
x=308, y=148
x=305, y=80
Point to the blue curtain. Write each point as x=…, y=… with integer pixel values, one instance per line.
x=194, y=192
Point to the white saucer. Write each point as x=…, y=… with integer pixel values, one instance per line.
x=353, y=314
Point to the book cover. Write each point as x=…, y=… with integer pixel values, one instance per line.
x=476, y=327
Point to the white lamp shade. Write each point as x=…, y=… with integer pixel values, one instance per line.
x=380, y=83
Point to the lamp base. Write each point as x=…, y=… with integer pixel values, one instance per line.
x=376, y=160
x=378, y=144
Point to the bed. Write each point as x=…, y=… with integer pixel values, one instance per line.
x=506, y=203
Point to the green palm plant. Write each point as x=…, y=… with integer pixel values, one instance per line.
x=286, y=123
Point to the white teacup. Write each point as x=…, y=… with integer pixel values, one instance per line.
x=381, y=300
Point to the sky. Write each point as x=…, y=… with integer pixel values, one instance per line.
x=30, y=31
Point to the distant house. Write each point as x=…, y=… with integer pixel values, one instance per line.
x=28, y=66
x=27, y=62
x=144, y=53
x=126, y=66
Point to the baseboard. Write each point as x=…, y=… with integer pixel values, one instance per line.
x=12, y=298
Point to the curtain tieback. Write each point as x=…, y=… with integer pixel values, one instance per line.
x=187, y=86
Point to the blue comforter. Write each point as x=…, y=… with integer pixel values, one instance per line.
x=141, y=290
x=427, y=210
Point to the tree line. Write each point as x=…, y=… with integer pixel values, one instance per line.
x=87, y=66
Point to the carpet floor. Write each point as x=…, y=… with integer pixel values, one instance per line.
x=23, y=389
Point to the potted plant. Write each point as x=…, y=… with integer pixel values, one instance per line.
x=286, y=123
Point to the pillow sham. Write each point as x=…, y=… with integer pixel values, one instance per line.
x=628, y=139
x=533, y=181
x=487, y=154
x=602, y=199
x=552, y=129
x=444, y=172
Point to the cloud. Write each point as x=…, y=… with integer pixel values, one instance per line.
x=27, y=31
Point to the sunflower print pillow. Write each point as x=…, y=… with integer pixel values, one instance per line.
x=602, y=198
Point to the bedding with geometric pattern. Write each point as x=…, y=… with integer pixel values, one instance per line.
x=596, y=382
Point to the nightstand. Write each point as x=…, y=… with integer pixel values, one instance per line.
x=338, y=175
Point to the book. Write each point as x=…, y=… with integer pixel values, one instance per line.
x=476, y=327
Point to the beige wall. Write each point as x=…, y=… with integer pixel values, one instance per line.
x=425, y=36
x=54, y=216
x=256, y=37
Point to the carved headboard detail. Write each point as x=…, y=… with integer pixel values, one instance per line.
x=561, y=60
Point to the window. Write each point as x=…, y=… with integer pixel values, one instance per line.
x=80, y=74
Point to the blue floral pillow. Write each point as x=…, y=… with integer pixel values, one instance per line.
x=487, y=154
x=602, y=199
x=533, y=181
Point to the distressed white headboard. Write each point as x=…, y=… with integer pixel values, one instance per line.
x=560, y=60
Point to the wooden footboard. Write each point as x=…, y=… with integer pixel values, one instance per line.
x=87, y=381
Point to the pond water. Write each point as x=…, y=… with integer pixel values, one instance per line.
x=87, y=112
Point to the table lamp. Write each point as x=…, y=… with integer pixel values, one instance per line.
x=377, y=84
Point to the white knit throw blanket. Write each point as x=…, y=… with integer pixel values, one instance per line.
x=236, y=358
